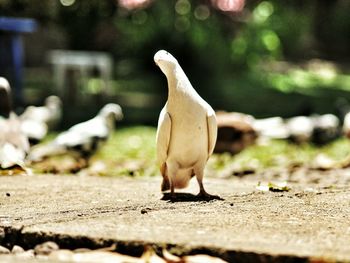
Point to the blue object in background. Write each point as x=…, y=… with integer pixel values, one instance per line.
x=11, y=52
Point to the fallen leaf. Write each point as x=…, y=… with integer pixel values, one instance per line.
x=273, y=187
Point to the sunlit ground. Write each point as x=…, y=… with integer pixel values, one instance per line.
x=131, y=151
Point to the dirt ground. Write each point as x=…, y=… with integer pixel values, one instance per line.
x=309, y=222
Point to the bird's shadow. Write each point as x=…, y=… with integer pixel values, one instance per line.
x=187, y=197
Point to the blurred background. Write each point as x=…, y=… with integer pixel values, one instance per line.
x=265, y=58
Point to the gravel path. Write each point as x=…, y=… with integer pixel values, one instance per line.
x=306, y=223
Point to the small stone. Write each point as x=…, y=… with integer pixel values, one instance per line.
x=17, y=250
x=8, y=194
x=46, y=248
x=4, y=250
x=144, y=211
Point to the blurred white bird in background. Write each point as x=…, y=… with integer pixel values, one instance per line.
x=81, y=140
x=5, y=98
x=346, y=125
x=271, y=128
x=14, y=145
x=326, y=129
x=37, y=121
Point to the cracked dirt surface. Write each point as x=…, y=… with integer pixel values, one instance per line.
x=308, y=222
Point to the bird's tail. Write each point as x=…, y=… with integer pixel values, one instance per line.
x=40, y=152
x=183, y=178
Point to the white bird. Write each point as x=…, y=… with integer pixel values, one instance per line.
x=81, y=140
x=50, y=113
x=187, y=130
x=272, y=128
x=5, y=98
x=36, y=121
x=300, y=129
x=346, y=125
x=326, y=128
x=14, y=145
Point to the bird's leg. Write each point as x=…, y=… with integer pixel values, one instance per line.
x=202, y=193
x=171, y=172
x=172, y=191
x=165, y=183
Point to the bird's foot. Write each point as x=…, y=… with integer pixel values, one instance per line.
x=173, y=198
x=205, y=196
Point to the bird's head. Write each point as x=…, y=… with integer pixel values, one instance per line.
x=111, y=111
x=5, y=98
x=53, y=102
x=165, y=61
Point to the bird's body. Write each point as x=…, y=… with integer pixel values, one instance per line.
x=187, y=129
x=346, y=125
x=82, y=139
x=326, y=128
x=14, y=145
x=36, y=121
x=271, y=128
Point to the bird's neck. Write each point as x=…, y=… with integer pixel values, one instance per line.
x=178, y=84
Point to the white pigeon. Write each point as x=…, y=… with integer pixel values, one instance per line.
x=346, y=125
x=5, y=98
x=326, y=128
x=50, y=113
x=271, y=128
x=187, y=130
x=14, y=145
x=300, y=129
x=83, y=139
x=36, y=121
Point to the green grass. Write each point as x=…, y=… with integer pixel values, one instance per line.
x=279, y=154
x=131, y=151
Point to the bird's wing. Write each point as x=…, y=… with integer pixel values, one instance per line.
x=212, y=131
x=95, y=127
x=163, y=136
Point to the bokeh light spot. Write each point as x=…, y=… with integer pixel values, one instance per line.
x=182, y=7
x=263, y=11
x=202, y=12
x=270, y=40
x=182, y=24
x=239, y=46
x=67, y=2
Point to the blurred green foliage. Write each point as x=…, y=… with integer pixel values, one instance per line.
x=228, y=56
